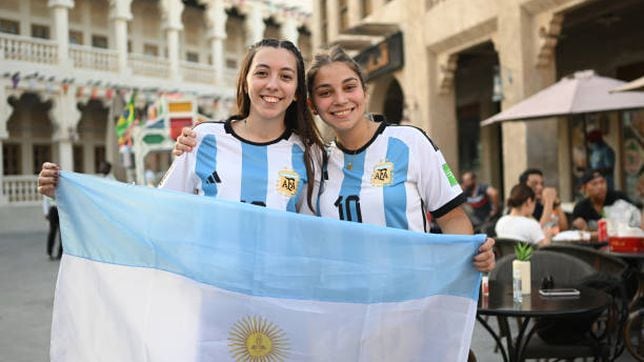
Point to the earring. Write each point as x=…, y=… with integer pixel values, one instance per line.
x=314, y=111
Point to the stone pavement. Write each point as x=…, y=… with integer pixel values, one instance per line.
x=27, y=282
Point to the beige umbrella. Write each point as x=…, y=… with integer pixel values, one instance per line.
x=582, y=92
x=636, y=85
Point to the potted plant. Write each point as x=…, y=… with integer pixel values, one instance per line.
x=523, y=252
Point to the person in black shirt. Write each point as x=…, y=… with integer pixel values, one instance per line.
x=589, y=210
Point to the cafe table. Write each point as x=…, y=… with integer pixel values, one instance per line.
x=500, y=303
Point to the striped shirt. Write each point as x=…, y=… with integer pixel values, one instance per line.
x=225, y=166
x=391, y=181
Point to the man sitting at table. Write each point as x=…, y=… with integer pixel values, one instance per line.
x=589, y=210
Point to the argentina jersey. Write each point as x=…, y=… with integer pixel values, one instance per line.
x=391, y=181
x=225, y=166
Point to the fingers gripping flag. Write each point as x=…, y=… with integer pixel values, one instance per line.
x=152, y=275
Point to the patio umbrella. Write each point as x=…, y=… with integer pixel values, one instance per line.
x=636, y=85
x=582, y=92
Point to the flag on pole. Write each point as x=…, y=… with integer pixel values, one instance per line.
x=125, y=121
x=155, y=275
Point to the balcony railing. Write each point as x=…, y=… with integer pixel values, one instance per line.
x=197, y=72
x=149, y=65
x=94, y=58
x=27, y=49
x=21, y=189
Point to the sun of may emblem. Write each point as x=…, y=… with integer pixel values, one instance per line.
x=287, y=182
x=382, y=174
x=255, y=339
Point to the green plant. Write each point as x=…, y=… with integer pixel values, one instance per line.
x=523, y=251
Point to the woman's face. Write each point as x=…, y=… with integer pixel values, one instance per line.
x=271, y=83
x=338, y=97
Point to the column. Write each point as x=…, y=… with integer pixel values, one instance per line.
x=254, y=23
x=120, y=14
x=171, y=19
x=5, y=113
x=521, y=78
x=216, y=18
x=65, y=116
x=289, y=28
x=60, y=9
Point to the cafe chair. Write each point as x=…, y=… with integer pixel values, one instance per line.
x=567, y=271
x=504, y=246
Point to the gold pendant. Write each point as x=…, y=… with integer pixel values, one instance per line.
x=349, y=166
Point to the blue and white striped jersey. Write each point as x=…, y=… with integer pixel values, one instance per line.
x=225, y=166
x=391, y=181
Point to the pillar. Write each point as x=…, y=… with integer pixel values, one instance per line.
x=120, y=14
x=254, y=23
x=216, y=18
x=65, y=116
x=60, y=10
x=171, y=19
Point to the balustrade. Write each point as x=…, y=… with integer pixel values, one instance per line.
x=94, y=58
x=27, y=49
x=21, y=189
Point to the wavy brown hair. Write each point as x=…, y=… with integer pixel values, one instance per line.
x=298, y=117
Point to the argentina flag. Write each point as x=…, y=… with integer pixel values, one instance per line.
x=154, y=275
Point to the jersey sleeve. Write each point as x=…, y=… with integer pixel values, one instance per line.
x=181, y=175
x=437, y=184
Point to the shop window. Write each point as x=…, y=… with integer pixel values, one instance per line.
x=42, y=154
x=78, y=158
x=588, y=149
x=99, y=41
x=39, y=31
x=12, y=160
x=9, y=26
x=151, y=50
x=469, y=137
x=633, y=155
x=75, y=37
x=192, y=57
x=99, y=156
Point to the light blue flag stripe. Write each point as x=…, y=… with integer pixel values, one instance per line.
x=259, y=251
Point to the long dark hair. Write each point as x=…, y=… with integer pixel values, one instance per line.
x=298, y=117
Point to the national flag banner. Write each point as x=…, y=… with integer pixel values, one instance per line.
x=125, y=121
x=155, y=275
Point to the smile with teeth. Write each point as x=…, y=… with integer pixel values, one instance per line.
x=270, y=99
x=343, y=112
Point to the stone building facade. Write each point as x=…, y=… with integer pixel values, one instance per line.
x=465, y=60
x=63, y=62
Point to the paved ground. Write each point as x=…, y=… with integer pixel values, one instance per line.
x=27, y=282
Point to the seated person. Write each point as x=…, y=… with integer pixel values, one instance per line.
x=482, y=201
x=519, y=223
x=548, y=209
x=589, y=210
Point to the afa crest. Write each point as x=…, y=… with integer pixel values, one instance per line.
x=288, y=182
x=383, y=174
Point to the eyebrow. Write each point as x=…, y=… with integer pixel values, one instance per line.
x=267, y=66
x=343, y=82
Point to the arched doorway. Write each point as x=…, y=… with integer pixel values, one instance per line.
x=394, y=101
